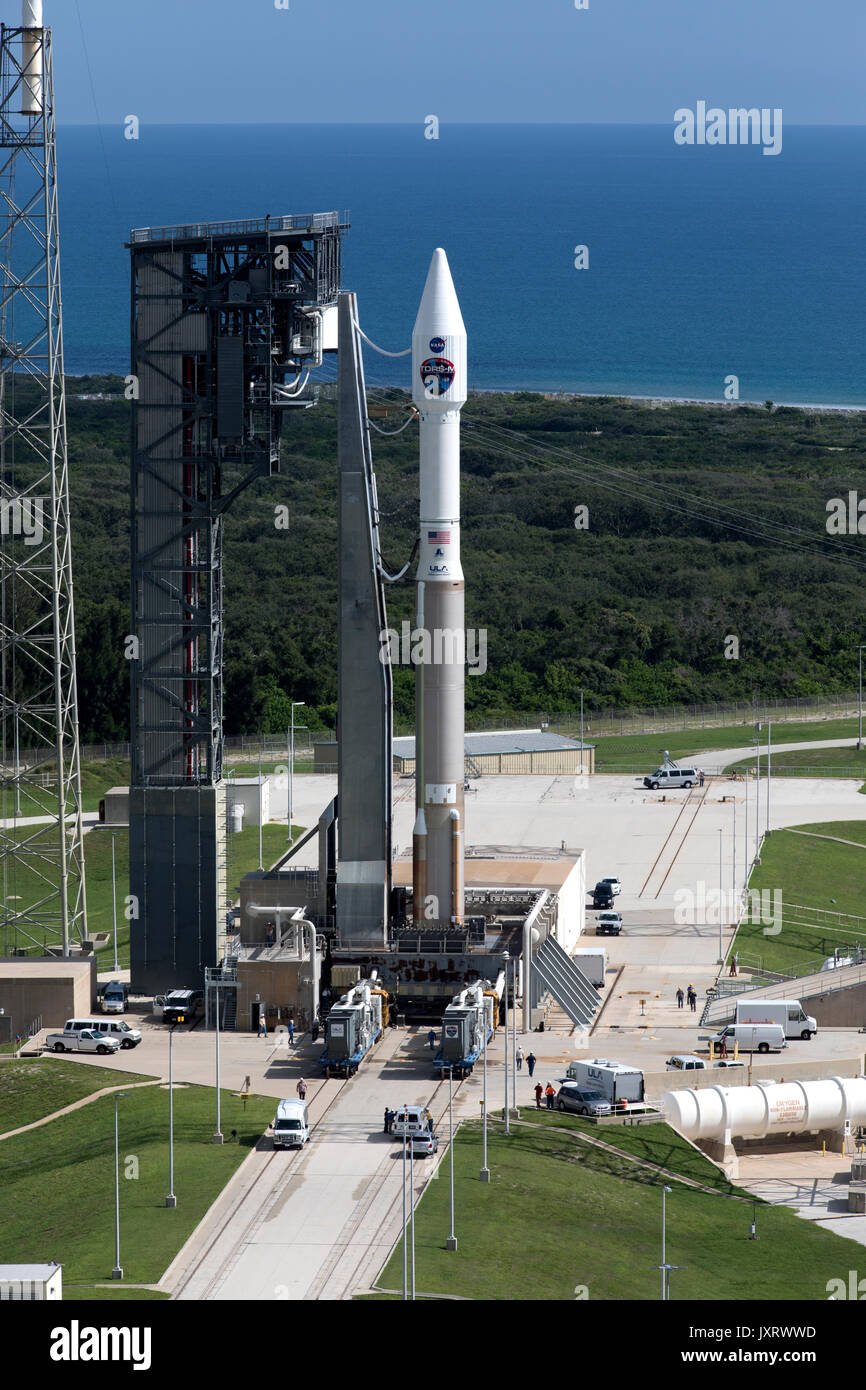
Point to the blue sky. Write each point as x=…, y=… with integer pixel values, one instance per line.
x=358, y=61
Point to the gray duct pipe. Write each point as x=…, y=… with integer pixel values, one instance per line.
x=303, y=926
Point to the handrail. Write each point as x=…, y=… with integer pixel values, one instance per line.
x=290, y=222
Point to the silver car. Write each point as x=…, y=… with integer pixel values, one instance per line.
x=582, y=1100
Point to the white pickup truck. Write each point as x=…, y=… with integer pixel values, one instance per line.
x=84, y=1041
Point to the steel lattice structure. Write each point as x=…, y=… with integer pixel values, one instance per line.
x=42, y=863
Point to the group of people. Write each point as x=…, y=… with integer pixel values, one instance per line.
x=392, y=1115
x=690, y=995
x=547, y=1092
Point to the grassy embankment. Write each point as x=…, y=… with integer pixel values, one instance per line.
x=57, y=1182
x=818, y=872
x=560, y=1220
x=630, y=752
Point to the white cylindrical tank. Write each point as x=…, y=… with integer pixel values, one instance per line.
x=237, y=815
x=790, y=1107
x=31, y=57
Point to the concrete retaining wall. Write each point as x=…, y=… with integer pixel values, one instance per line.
x=657, y=1082
x=840, y=1008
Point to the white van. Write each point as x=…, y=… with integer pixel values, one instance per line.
x=672, y=777
x=110, y=1027
x=412, y=1119
x=788, y=1013
x=753, y=1037
x=291, y=1125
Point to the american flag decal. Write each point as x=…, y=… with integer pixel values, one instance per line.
x=439, y=537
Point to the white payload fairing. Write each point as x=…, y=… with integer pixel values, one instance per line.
x=439, y=390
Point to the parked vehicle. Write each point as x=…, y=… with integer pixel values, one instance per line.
x=667, y=777
x=787, y=1012
x=291, y=1125
x=582, y=1100
x=178, y=1005
x=685, y=1061
x=106, y=1027
x=729, y=1062
x=467, y=1025
x=85, y=1041
x=602, y=896
x=424, y=1145
x=411, y=1120
x=753, y=1037
x=114, y=997
x=614, y=883
x=618, y=1083
x=608, y=924
x=592, y=964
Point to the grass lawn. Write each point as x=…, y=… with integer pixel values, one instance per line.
x=57, y=1183
x=805, y=762
x=560, y=1221
x=35, y=1086
x=116, y=1293
x=820, y=874
x=617, y=753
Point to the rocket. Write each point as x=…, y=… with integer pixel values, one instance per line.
x=438, y=391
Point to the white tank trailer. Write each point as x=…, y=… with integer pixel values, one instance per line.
x=467, y=1024
x=439, y=391
x=353, y=1025
x=791, y=1107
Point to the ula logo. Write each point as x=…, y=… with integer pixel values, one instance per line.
x=736, y=126
x=77, y=1343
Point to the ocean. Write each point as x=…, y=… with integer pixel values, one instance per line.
x=705, y=262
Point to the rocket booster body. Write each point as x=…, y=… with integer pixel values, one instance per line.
x=439, y=391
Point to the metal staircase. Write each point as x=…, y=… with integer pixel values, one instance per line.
x=553, y=970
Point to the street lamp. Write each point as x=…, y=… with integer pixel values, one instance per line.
x=484, y=1175
x=296, y=704
x=171, y=1200
x=507, y=1120
x=769, y=737
x=404, y=1211
x=451, y=1243
x=117, y=1272
x=721, y=900
x=664, y=1267
x=753, y=1228
x=218, y=1136
x=114, y=901
x=412, y=1212
x=860, y=700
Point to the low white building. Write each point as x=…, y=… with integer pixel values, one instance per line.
x=31, y=1283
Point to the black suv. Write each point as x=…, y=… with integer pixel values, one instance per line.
x=602, y=896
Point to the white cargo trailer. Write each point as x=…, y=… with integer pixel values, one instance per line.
x=789, y=1012
x=592, y=963
x=616, y=1081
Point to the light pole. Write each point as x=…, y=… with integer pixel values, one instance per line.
x=117, y=1272
x=451, y=1243
x=114, y=901
x=581, y=730
x=507, y=1121
x=171, y=1200
x=404, y=1210
x=769, y=737
x=734, y=871
x=412, y=1211
x=218, y=1136
x=261, y=865
x=860, y=699
x=514, y=1031
x=484, y=1175
x=296, y=704
x=664, y=1267
x=757, y=796
x=721, y=901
